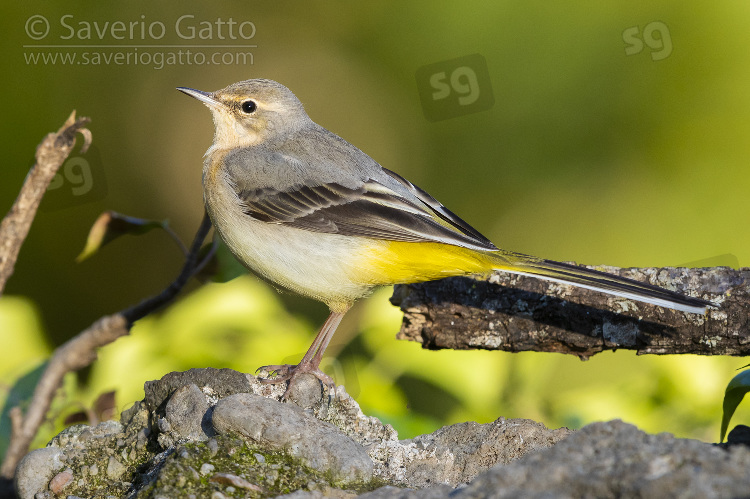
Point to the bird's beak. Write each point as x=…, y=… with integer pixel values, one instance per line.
x=205, y=97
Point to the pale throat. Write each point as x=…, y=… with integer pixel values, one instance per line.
x=231, y=134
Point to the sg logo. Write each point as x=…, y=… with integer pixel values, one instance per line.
x=79, y=180
x=75, y=171
x=661, y=45
x=463, y=81
x=455, y=87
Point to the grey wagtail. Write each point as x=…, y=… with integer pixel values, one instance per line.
x=303, y=208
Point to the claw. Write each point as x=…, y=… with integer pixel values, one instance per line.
x=310, y=362
x=289, y=372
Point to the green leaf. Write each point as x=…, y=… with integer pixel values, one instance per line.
x=222, y=265
x=227, y=266
x=19, y=395
x=110, y=225
x=735, y=392
x=211, y=267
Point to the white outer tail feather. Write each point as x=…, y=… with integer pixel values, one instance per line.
x=662, y=302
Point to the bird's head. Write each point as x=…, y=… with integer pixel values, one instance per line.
x=251, y=112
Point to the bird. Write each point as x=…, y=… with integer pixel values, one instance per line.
x=307, y=211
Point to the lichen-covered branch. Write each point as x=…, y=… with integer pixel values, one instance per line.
x=519, y=313
x=50, y=155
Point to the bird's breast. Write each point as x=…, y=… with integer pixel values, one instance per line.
x=318, y=265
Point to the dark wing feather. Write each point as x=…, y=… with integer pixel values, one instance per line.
x=440, y=210
x=372, y=210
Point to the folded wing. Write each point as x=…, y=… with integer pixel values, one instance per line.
x=370, y=210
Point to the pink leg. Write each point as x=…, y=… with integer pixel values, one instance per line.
x=310, y=363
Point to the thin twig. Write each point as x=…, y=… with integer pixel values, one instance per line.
x=16, y=419
x=175, y=238
x=50, y=155
x=148, y=305
x=80, y=351
x=208, y=257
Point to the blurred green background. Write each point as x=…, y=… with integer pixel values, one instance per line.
x=618, y=135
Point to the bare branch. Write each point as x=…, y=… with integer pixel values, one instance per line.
x=190, y=268
x=176, y=239
x=519, y=313
x=50, y=155
x=80, y=352
x=209, y=255
x=16, y=419
x=77, y=353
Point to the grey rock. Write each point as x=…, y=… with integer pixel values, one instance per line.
x=302, y=494
x=285, y=448
x=187, y=414
x=100, y=458
x=317, y=444
x=615, y=459
x=456, y=454
x=192, y=469
x=306, y=392
x=115, y=469
x=213, y=446
x=163, y=425
x=36, y=469
x=391, y=492
x=344, y=413
x=222, y=382
x=207, y=468
x=319, y=494
x=78, y=435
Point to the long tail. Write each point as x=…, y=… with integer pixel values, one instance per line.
x=598, y=281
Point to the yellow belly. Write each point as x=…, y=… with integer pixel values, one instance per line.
x=396, y=262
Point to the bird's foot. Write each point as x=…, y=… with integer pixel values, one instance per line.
x=284, y=372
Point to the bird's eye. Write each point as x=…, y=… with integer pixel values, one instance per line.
x=249, y=107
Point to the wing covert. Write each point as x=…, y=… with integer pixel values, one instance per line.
x=370, y=210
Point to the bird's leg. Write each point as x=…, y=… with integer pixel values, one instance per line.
x=310, y=363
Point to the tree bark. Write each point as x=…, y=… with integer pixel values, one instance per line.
x=51, y=153
x=518, y=313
